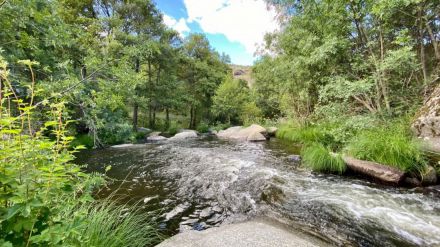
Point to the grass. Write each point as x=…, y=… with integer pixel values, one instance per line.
x=105, y=224
x=305, y=135
x=389, y=146
x=318, y=158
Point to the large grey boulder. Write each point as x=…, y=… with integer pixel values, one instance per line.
x=375, y=170
x=252, y=133
x=186, y=134
x=427, y=124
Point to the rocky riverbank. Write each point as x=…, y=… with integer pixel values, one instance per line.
x=255, y=233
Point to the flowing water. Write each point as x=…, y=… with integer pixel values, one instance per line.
x=202, y=183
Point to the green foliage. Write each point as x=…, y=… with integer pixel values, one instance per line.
x=203, y=127
x=391, y=146
x=221, y=126
x=45, y=199
x=233, y=102
x=174, y=128
x=318, y=158
x=84, y=140
x=305, y=134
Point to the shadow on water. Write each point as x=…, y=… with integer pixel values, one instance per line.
x=202, y=183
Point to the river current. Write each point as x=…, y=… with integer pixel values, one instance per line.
x=202, y=183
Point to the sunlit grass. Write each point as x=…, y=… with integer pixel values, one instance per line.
x=318, y=158
x=393, y=147
x=106, y=224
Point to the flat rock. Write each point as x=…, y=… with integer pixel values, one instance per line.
x=255, y=233
x=375, y=170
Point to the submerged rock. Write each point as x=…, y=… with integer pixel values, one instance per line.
x=295, y=159
x=413, y=182
x=156, y=138
x=429, y=177
x=375, y=170
x=122, y=145
x=252, y=133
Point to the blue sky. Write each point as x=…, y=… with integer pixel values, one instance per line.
x=234, y=27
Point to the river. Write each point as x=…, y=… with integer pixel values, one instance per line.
x=206, y=182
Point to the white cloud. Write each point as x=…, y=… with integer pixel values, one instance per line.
x=180, y=25
x=243, y=21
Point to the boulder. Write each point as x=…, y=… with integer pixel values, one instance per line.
x=413, y=182
x=427, y=124
x=375, y=170
x=156, y=138
x=272, y=131
x=252, y=133
x=184, y=135
x=155, y=133
x=429, y=176
x=256, y=137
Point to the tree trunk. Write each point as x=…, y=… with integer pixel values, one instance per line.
x=422, y=46
x=153, y=121
x=383, y=80
x=135, y=116
x=191, y=116
x=167, y=119
x=136, y=106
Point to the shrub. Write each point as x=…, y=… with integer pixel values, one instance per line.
x=203, y=127
x=84, y=140
x=388, y=146
x=320, y=159
x=174, y=128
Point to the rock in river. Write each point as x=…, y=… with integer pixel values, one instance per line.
x=184, y=135
x=383, y=173
x=429, y=177
x=252, y=133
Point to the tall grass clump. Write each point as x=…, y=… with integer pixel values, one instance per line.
x=106, y=224
x=318, y=158
x=391, y=146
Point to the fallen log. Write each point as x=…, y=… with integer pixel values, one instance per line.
x=375, y=170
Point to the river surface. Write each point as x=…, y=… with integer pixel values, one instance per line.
x=206, y=182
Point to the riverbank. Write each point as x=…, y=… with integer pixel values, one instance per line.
x=255, y=233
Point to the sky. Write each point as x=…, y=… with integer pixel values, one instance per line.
x=234, y=27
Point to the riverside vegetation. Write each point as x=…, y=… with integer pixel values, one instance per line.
x=339, y=77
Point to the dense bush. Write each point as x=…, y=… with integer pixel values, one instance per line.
x=320, y=159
